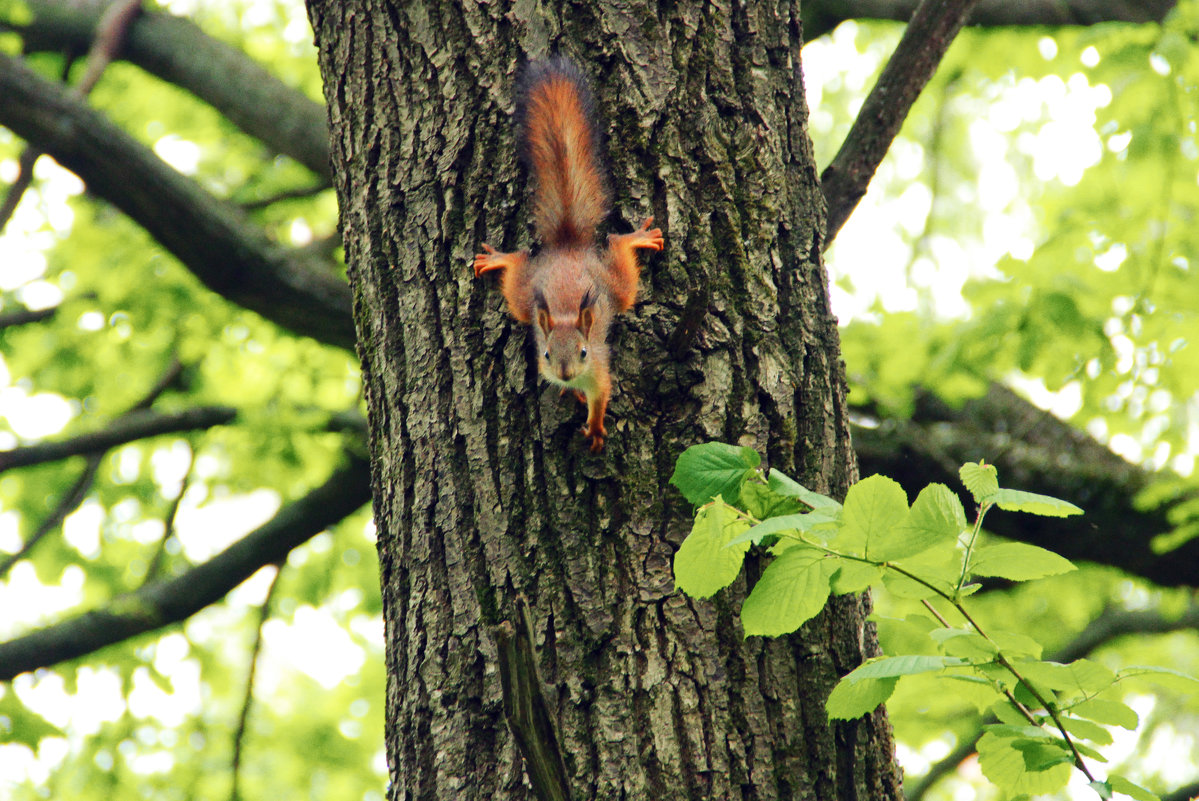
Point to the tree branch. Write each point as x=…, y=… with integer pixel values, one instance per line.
x=933, y=27
x=211, y=237
x=1033, y=451
x=135, y=425
x=821, y=16
x=162, y=603
x=24, y=316
x=177, y=51
x=526, y=709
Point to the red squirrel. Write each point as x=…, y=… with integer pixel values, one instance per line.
x=570, y=288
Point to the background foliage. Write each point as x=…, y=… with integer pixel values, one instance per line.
x=1034, y=225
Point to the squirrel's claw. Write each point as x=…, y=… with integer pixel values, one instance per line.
x=596, y=439
x=647, y=238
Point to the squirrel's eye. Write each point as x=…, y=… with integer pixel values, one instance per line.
x=546, y=355
x=582, y=353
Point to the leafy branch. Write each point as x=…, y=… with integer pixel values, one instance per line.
x=1051, y=716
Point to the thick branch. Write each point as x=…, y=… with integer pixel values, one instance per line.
x=25, y=316
x=821, y=16
x=177, y=51
x=164, y=602
x=127, y=428
x=933, y=27
x=211, y=237
x=1033, y=451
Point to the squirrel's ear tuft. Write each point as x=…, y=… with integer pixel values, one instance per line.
x=588, y=299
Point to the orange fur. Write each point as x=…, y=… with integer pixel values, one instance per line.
x=570, y=289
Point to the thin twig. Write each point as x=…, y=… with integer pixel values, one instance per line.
x=239, y=734
x=933, y=27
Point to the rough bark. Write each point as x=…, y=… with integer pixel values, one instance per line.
x=483, y=488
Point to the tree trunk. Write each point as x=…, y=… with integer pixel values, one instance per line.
x=484, y=490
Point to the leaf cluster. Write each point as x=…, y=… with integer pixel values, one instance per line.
x=1050, y=715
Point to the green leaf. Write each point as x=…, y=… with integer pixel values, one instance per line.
x=19, y=724
x=1122, y=785
x=876, y=509
x=792, y=589
x=1111, y=713
x=1164, y=676
x=1102, y=788
x=703, y=565
x=966, y=644
x=981, y=480
x=853, y=699
x=907, y=636
x=1087, y=730
x=713, y=468
x=762, y=502
x=1019, y=501
x=1018, y=561
x=936, y=517
x=1081, y=675
x=785, y=485
x=1007, y=765
x=907, y=665
x=799, y=523
x=1014, y=644
x=854, y=576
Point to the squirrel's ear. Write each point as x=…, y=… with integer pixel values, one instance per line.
x=586, y=313
x=544, y=321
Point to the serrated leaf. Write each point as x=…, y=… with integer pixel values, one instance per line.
x=1005, y=765
x=703, y=565
x=853, y=699
x=875, y=511
x=1040, y=756
x=981, y=480
x=792, y=589
x=966, y=644
x=785, y=485
x=798, y=523
x=936, y=518
x=1081, y=676
x=906, y=665
x=1165, y=676
x=1019, y=731
x=1031, y=503
x=713, y=468
x=762, y=502
x=1136, y=791
x=1013, y=644
x=854, y=576
x=1018, y=561
x=1111, y=713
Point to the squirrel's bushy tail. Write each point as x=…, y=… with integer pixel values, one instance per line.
x=560, y=143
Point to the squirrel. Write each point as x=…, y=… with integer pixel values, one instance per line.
x=569, y=289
